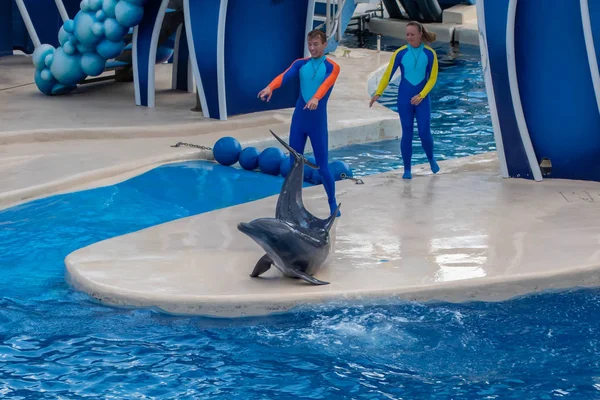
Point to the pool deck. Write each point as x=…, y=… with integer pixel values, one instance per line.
x=98, y=136
x=463, y=234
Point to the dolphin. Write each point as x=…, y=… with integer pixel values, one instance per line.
x=296, y=242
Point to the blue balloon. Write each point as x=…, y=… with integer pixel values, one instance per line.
x=63, y=36
x=39, y=55
x=86, y=49
x=339, y=167
x=108, y=6
x=65, y=68
x=92, y=64
x=95, y=5
x=163, y=54
x=98, y=29
x=69, y=26
x=128, y=14
x=59, y=88
x=227, y=150
x=48, y=60
x=100, y=15
x=69, y=48
x=113, y=30
x=285, y=166
x=84, y=21
x=108, y=49
x=46, y=75
x=249, y=158
x=45, y=86
x=270, y=160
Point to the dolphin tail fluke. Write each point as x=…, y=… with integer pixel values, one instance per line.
x=329, y=221
x=292, y=151
x=262, y=266
x=308, y=278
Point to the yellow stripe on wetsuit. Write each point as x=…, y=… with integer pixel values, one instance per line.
x=433, y=75
x=395, y=62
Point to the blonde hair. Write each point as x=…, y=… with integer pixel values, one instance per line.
x=426, y=36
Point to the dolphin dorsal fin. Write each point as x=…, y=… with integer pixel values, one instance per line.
x=290, y=206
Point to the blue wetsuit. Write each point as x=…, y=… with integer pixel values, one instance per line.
x=317, y=77
x=419, y=69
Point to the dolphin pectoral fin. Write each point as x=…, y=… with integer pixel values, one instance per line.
x=329, y=221
x=308, y=278
x=294, y=152
x=262, y=266
x=313, y=166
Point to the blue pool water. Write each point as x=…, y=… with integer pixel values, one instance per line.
x=56, y=343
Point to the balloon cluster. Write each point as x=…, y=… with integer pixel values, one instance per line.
x=95, y=35
x=227, y=151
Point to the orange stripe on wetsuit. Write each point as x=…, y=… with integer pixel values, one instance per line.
x=293, y=71
x=329, y=81
x=288, y=74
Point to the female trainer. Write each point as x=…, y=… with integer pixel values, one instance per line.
x=419, y=67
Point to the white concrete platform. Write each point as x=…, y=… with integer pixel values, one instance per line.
x=459, y=25
x=397, y=28
x=460, y=14
x=464, y=234
x=97, y=135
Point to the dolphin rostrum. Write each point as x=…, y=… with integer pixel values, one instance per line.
x=296, y=242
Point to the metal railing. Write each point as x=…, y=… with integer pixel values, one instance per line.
x=333, y=25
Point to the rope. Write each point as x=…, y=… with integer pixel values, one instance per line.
x=191, y=145
x=17, y=86
x=357, y=180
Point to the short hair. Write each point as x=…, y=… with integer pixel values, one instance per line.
x=317, y=33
